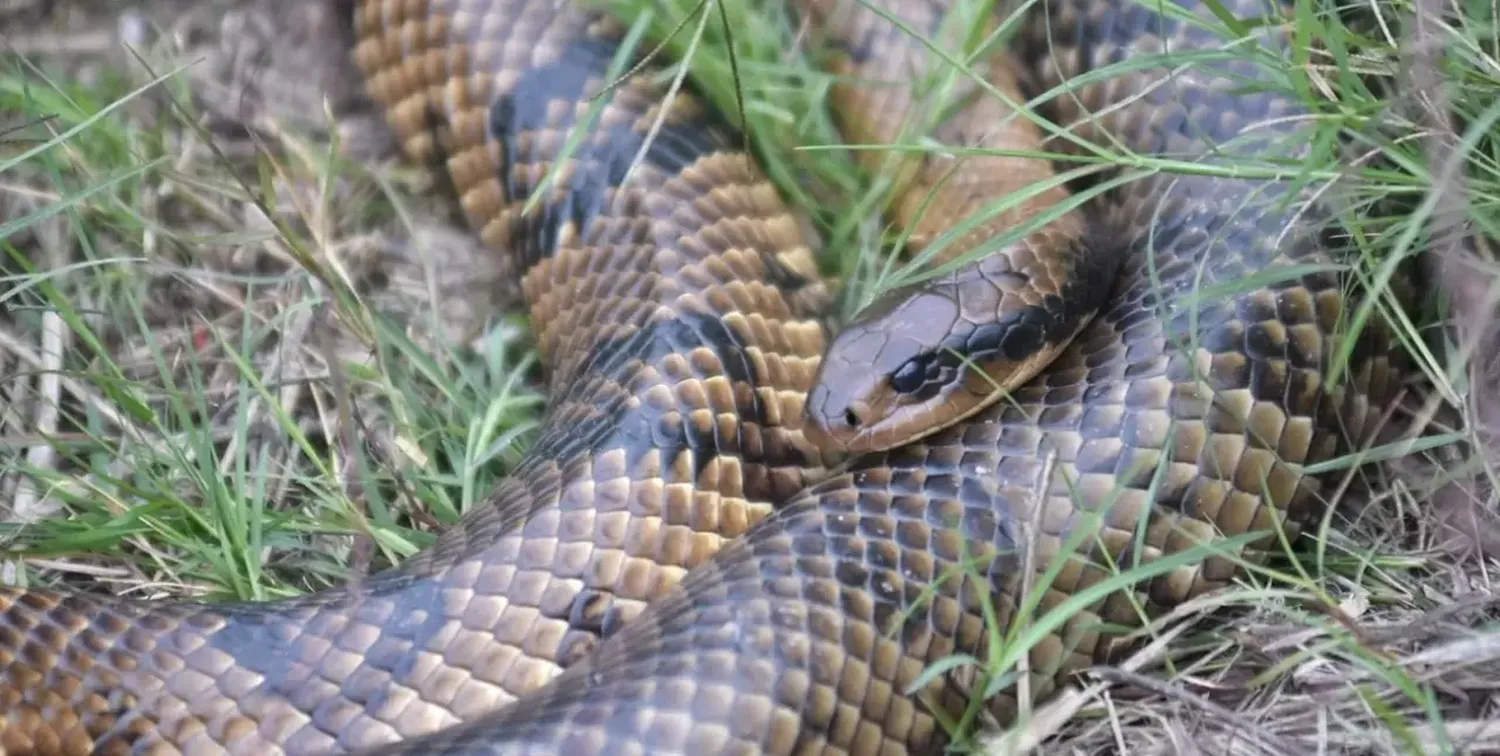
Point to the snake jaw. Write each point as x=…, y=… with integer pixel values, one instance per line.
x=865, y=414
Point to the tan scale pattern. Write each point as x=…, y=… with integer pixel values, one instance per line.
x=888, y=92
x=665, y=461
x=793, y=639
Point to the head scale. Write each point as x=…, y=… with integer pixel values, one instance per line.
x=911, y=364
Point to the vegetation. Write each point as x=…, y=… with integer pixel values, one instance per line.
x=226, y=370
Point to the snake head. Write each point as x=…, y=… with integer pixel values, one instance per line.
x=924, y=357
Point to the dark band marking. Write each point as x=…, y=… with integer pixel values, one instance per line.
x=520, y=116
x=1021, y=334
x=272, y=640
x=645, y=429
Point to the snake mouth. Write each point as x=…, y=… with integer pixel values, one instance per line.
x=874, y=419
x=879, y=420
x=856, y=429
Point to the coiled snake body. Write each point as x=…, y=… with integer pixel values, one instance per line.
x=795, y=591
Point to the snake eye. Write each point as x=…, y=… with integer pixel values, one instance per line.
x=851, y=418
x=910, y=376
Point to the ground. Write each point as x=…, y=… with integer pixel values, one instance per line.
x=247, y=352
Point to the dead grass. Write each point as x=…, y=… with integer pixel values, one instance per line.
x=246, y=353
x=168, y=340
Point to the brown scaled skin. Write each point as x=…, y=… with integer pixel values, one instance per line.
x=964, y=337
x=671, y=569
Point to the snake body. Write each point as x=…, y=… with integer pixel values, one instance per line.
x=678, y=565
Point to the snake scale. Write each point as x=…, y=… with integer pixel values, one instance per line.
x=698, y=555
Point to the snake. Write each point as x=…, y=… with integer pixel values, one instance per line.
x=737, y=530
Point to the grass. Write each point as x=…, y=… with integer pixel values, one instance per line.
x=226, y=372
x=201, y=440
